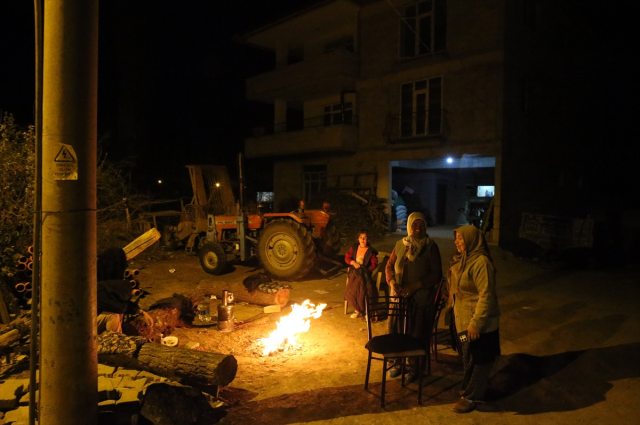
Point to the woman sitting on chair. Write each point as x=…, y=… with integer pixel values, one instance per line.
x=362, y=259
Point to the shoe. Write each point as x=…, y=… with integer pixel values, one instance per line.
x=356, y=314
x=395, y=372
x=464, y=406
x=411, y=378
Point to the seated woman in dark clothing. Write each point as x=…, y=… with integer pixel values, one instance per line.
x=362, y=259
x=114, y=301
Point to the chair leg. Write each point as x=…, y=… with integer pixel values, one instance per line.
x=434, y=346
x=384, y=380
x=402, y=368
x=420, y=371
x=366, y=379
x=346, y=306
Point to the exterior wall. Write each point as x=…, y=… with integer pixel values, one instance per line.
x=545, y=158
x=472, y=82
x=287, y=183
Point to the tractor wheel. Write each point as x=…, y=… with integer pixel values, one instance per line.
x=330, y=242
x=286, y=249
x=213, y=259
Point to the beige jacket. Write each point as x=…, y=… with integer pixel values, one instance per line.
x=477, y=303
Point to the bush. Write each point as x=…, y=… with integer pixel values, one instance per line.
x=17, y=177
x=16, y=191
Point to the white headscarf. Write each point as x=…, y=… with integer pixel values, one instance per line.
x=415, y=245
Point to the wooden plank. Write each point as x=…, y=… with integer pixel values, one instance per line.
x=141, y=243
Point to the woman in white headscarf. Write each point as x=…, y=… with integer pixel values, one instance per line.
x=413, y=271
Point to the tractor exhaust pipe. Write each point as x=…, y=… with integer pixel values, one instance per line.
x=241, y=182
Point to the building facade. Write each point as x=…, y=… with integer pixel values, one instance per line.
x=461, y=105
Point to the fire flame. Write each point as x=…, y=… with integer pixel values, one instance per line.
x=284, y=337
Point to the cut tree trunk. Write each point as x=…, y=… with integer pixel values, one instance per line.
x=19, y=328
x=240, y=293
x=175, y=363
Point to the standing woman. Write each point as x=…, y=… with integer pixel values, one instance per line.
x=472, y=292
x=362, y=259
x=413, y=271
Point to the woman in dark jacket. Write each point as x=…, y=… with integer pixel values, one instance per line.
x=362, y=259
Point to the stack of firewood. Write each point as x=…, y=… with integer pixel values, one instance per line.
x=354, y=213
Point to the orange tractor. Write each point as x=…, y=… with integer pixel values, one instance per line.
x=287, y=244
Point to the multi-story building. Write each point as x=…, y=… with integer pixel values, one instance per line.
x=462, y=103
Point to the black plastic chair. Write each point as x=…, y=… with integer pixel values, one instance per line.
x=439, y=305
x=393, y=346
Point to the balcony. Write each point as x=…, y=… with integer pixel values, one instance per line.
x=328, y=73
x=415, y=126
x=323, y=134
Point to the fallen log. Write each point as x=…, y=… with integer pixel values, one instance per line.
x=19, y=328
x=240, y=293
x=175, y=363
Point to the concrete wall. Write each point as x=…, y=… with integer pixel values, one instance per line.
x=547, y=154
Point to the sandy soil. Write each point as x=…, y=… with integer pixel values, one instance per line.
x=570, y=351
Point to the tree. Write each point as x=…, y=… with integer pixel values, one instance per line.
x=16, y=191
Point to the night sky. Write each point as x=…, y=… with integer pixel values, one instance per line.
x=171, y=83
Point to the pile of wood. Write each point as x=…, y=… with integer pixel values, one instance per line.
x=354, y=213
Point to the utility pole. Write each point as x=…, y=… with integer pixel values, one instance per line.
x=68, y=358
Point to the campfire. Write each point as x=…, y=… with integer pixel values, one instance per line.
x=284, y=337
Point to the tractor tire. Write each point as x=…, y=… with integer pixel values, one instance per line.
x=213, y=258
x=286, y=249
x=330, y=242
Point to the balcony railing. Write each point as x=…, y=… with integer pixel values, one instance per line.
x=416, y=125
x=314, y=122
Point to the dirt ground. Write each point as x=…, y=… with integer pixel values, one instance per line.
x=570, y=350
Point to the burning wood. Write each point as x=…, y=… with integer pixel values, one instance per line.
x=284, y=337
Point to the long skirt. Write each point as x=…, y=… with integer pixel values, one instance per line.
x=359, y=287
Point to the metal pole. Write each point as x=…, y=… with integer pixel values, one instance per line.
x=37, y=219
x=241, y=182
x=68, y=373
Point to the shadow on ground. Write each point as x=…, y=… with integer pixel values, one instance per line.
x=521, y=383
x=527, y=385
x=335, y=402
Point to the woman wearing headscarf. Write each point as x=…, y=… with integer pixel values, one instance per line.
x=472, y=293
x=413, y=271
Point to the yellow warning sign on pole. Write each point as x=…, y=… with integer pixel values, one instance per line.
x=65, y=164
